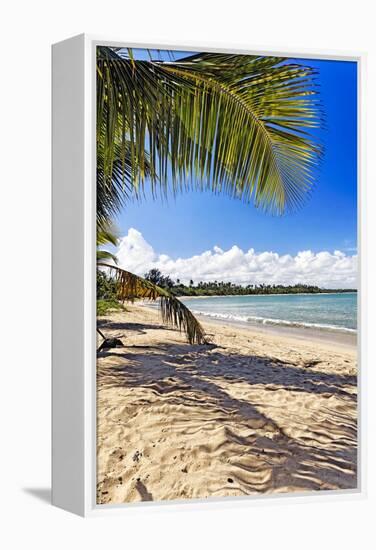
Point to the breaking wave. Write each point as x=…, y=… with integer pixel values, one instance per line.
x=276, y=322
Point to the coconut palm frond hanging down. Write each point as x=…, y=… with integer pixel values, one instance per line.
x=174, y=312
x=239, y=124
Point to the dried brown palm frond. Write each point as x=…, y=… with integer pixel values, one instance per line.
x=174, y=312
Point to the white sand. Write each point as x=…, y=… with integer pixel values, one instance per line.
x=258, y=413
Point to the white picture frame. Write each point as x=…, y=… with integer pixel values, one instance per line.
x=73, y=286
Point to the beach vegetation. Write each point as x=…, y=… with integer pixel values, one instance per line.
x=220, y=288
x=107, y=306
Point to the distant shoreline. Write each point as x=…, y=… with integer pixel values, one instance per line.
x=311, y=334
x=327, y=336
x=317, y=329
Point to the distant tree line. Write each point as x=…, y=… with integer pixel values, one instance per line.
x=220, y=288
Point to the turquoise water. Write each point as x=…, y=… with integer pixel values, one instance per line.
x=337, y=312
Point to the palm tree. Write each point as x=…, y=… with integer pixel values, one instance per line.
x=238, y=124
x=132, y=286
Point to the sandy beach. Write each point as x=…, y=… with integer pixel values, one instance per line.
x=254, y=412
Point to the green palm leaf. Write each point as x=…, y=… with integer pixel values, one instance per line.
x=113, y=192
x=104, y=255
x=106, y=234
x=174, y=312
x=233, y=123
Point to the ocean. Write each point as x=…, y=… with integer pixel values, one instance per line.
x=331, y=312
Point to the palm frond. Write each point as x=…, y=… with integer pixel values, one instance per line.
x=106, y=234
x=234, y=123
x=105, y=255
x=114, y=191
x=174, y=312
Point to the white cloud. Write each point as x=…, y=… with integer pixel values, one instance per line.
x=325, y=269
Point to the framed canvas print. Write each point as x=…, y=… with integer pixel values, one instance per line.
x=206, y=280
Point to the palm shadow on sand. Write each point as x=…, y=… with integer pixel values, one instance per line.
x=192, y=376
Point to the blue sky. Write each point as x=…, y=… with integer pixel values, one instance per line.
x=195, y=221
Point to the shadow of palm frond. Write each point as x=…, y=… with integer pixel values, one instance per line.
x=196, y=377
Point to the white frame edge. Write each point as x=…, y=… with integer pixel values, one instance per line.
x=73, y=286
x=68, y=289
